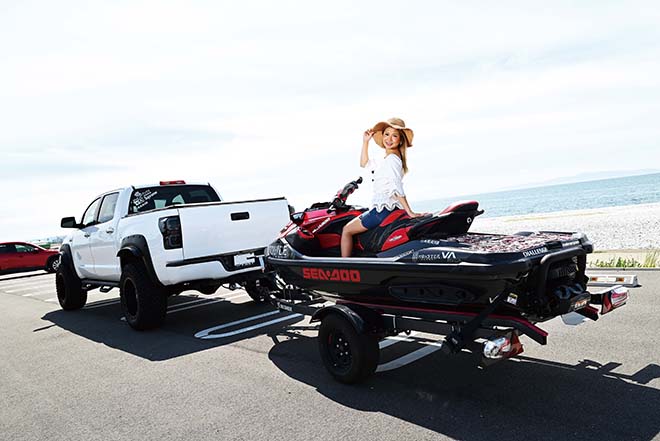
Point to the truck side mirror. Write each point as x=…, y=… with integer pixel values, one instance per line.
x=69, y=222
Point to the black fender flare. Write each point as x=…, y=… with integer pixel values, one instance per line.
x=66, y=257
x=136, y=247
x=363, y=319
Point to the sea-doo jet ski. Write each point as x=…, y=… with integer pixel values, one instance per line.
x=432, y=268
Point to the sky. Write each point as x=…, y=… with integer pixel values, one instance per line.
x=265, y=99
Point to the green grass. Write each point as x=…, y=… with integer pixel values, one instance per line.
x=651, y=260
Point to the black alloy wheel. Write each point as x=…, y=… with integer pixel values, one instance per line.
x=350, y=357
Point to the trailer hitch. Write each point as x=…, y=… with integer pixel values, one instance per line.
x=465, y=333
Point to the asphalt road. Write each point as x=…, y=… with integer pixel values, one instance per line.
x=255, y=374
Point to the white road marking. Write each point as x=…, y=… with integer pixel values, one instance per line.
x=23, y=275
x=31, y=288
x=220, y=299
x=102, y=303
x=54, y=299
x=4, y=285
x=389, y=341
x=409, y=358
x=206, y=333
x=173, y=308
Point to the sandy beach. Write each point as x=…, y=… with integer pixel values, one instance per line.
x=630, y=227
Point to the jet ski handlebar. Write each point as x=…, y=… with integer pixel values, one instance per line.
x=340, y=198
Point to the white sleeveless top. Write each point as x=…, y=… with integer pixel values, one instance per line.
x=387, y=177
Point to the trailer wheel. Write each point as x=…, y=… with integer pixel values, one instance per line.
x=68, y=286
x=258, y=291
x=350, y=357
x=144, y=304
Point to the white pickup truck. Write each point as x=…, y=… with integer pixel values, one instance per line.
x=158, y=240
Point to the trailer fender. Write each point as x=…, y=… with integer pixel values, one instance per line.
x=364, y=320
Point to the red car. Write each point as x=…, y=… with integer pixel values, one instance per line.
x=21, y=256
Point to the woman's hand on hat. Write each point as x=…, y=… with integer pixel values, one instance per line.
x=367, y=135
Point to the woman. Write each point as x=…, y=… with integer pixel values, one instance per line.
x=395, y=138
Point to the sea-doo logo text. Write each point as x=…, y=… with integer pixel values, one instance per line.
x=336, y=275
x=535, y=252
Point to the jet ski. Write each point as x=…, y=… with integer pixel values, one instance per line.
x=431, y=268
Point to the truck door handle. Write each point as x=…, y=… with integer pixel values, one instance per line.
x=86, y=234
x=110, y=230
x=240, y=216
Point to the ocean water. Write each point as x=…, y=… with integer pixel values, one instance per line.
x=613, y=192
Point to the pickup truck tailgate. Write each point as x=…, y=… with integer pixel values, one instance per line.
x=229, y=227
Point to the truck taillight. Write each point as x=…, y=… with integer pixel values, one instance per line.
x=170, y=228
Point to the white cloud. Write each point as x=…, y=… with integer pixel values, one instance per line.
x=271, y=98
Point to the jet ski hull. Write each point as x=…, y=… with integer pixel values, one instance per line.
x=434, y=274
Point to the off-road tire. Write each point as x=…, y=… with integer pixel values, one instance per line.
x=70, y=292
x=348, y=356
x=53, y=264
x=143, y=302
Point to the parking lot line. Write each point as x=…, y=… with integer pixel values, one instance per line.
x=206, y=333
x=174, y=308
x=102, y=303
x=389, y=341
x=29, y=288
x=409, y=358
x=48, y=280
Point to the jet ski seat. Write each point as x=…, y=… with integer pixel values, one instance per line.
x=455, y=219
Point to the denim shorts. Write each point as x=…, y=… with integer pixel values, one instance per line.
x=372, y=218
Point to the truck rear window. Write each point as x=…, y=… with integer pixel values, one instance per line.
x=151, y=198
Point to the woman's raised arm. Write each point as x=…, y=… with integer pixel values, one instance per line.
x=364, y=157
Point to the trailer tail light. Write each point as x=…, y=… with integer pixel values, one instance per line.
x=170, y=228
x=614, y=298
x=504, y=346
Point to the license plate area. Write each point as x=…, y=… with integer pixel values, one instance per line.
x=244, y=260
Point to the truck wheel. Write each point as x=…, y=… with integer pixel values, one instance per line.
x=350, y=357
x=53, y=264
x=70, y=292
x=258, y=291
x=144, y=304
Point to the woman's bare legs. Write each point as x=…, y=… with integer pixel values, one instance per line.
x=350, y=229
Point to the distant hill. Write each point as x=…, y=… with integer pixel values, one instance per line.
x=591, y=176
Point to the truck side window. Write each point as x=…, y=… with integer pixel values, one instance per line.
x=90, y=214
x=108, y=205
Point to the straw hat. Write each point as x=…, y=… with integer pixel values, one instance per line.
x=396, y=123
